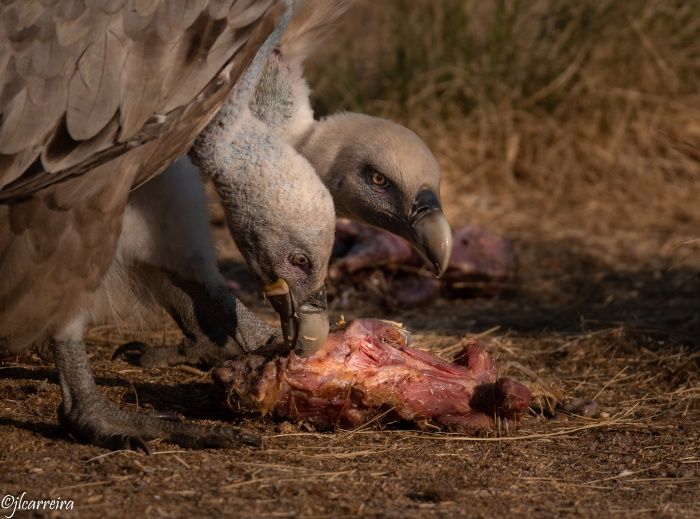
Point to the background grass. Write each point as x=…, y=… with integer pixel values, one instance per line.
x=546, y=115
x=573, y=127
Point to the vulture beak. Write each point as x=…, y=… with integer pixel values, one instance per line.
x=304, y=326
x=431, y=232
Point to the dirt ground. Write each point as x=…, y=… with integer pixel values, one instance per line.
x=574, y=129
x=612, y=317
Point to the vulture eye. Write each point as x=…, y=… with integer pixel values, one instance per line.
x=300, y=261
x=378, y=179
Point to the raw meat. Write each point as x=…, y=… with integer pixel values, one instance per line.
x=368, y=370
x=482, y=263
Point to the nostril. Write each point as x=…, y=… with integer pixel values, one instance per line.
x=422, y=210
x=426, y=201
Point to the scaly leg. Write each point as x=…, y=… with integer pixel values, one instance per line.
x=216, y=326
x=166, y=254
x=86, y=413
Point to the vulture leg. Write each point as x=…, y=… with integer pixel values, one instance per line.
x=92, y=418
x=216, y=325
x=166, y=253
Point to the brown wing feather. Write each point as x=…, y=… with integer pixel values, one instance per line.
x=172, y=18
x=197, y=52
x=32, y=113
x=94, y=90
x=79, y=86
x=72, y=30
x=14, y=165
x=219, y=9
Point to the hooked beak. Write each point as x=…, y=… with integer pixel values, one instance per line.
x=304, y=326
x=431, y=231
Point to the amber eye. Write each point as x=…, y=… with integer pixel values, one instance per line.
x=300, y=261
x=378, y=179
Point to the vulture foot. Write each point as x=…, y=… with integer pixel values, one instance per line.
x=87, y=415
x=102, y=423
x=147, y=357
x=201, y=354
x=217, y=327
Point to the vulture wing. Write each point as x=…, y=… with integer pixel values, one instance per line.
x=84, y=81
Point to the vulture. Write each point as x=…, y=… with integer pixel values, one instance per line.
x=283, y=221
x=97, y=98
x=378, y=172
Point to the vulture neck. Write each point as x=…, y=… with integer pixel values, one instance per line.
x=270, y=193
x=281, y=102
x=324, y=146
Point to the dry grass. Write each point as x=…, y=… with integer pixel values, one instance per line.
x=571, y=113
x=572, y=126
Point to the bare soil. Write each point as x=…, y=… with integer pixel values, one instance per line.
x=573, y=129
x=617, y=323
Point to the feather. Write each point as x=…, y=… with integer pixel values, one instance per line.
x=20, y=41
x=245, y=13
x=12, y=166
x=136, y=25
x=5, y=56
x=20, y=15
x=12, y=83
x=33, y=112
x=94, y=90
x=50, y=58
x=193, y=63
x=71, y=30
x=313, y=21
x=61, y=152
x=71, y=9
x=141, y=90
x=219, y=9
x=172, y=18
x=145, y=7
x=111, y=6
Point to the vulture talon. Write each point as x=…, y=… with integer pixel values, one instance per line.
x=87, y=415
x=127, y=348
x=131, y=443
x=106, y=425
x=147, y=356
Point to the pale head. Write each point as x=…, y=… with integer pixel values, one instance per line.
x=383, y=174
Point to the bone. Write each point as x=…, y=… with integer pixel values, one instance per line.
x=370, y=371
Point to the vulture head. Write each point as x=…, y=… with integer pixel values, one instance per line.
x=377, y=171
x=383, y=174
x=281, y=217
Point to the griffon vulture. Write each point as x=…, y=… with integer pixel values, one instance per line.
x=96, y=98
x=377, y=171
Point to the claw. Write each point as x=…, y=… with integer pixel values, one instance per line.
x=246, y=438
x=145, y=356
x=121, y=442
x=129, y=347
x=136, y=444
x=87, y=415
x=218, y=438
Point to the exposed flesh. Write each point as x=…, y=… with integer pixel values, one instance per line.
x=368, y=370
